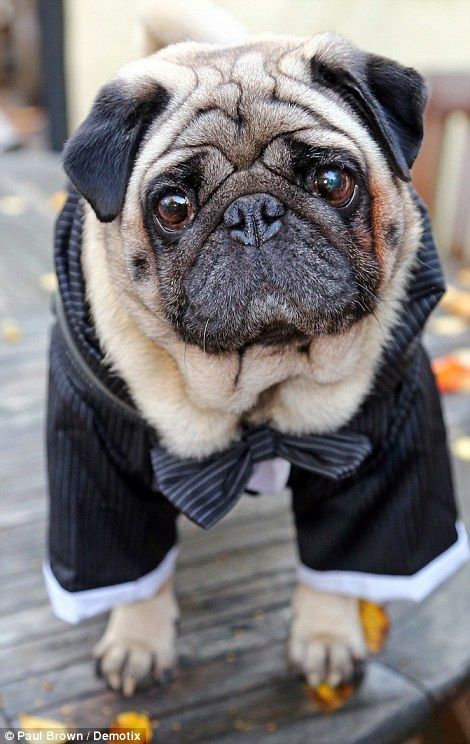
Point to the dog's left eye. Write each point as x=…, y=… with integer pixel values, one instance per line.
x=335, y=185
x=174, y=210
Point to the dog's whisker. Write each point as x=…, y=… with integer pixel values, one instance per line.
x=204, y=337
x=184, y=362
x=117, y=296
x=428, y=266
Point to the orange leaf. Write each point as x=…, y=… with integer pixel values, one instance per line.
x=453, y=372
x=132, y=721
x=329, y=698
x=375, y=623
x=376, y=628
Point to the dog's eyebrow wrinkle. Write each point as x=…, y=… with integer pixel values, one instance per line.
x=218, y=186
x=204, y=146
x=282, y=135
x=212, y=109
x=174, y=140
x=324, y=91
x=306, y=110
x=182, y=147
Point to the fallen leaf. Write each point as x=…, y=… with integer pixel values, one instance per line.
x=447, y=325
x=463, y=355
x=463, y=276
x=57, y=200
x=241, y=725
x=457, y=301
x=10, y=330
x=12, y=205
x=132, y=721
x=48, y=282
x=39, y=724
x=461, y=448
x=329, y=698
x=376, y=629
x=375, y=623
x=452, y=372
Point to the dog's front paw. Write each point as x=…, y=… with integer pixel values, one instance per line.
x=139, y=642
x=327, y=639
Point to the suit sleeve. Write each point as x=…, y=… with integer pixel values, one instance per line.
x=108, y=530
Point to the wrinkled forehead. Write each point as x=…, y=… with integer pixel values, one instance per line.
x=238, y=104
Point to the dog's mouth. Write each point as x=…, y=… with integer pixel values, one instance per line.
x=236, y=334
x=277, y=334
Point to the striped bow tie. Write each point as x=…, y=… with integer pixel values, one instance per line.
x=207, y=489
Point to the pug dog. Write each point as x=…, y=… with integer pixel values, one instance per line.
x=244, y=258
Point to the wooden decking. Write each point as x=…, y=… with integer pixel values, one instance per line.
x=234, y=583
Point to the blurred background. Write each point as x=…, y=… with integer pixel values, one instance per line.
x=54, y=55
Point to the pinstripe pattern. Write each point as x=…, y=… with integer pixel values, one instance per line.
x=388, y=513
x=399, y=512
x=207, y=490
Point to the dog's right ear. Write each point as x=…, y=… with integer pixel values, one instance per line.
x=100, y=155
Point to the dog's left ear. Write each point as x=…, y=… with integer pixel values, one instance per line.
x=389, y=98
x=100, y=155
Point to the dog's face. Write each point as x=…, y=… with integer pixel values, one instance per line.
x=258, y=188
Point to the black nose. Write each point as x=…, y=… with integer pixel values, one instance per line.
x=255, y=218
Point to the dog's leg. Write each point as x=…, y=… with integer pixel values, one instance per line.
x=139, y=641
x=327, y=639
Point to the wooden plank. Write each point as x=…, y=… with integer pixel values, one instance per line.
x=432, y=645
x=387, y=708
x=203, y=634
x=217, y=701
x=25, y=590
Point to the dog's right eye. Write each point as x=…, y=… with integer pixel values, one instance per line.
x=174, y=210
x=335, y=185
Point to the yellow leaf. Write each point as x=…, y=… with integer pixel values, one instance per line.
x=375, y=623
x=39, y=724
x=461, y=448
x=447, y=325
x=57, y=200
x=457, y=302
x=132, y=721
x=329, y=698
x=10, y=329
x=48, y=282
x=463, y=276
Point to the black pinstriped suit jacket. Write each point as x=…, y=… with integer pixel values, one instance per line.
x=108, y=524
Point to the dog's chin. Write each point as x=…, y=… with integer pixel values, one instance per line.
x=275, y=335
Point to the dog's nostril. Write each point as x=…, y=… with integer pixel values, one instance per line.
x=234, y=216
x=255, y=218
x=272, y=210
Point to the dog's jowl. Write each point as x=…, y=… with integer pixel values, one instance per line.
x=244, y=273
